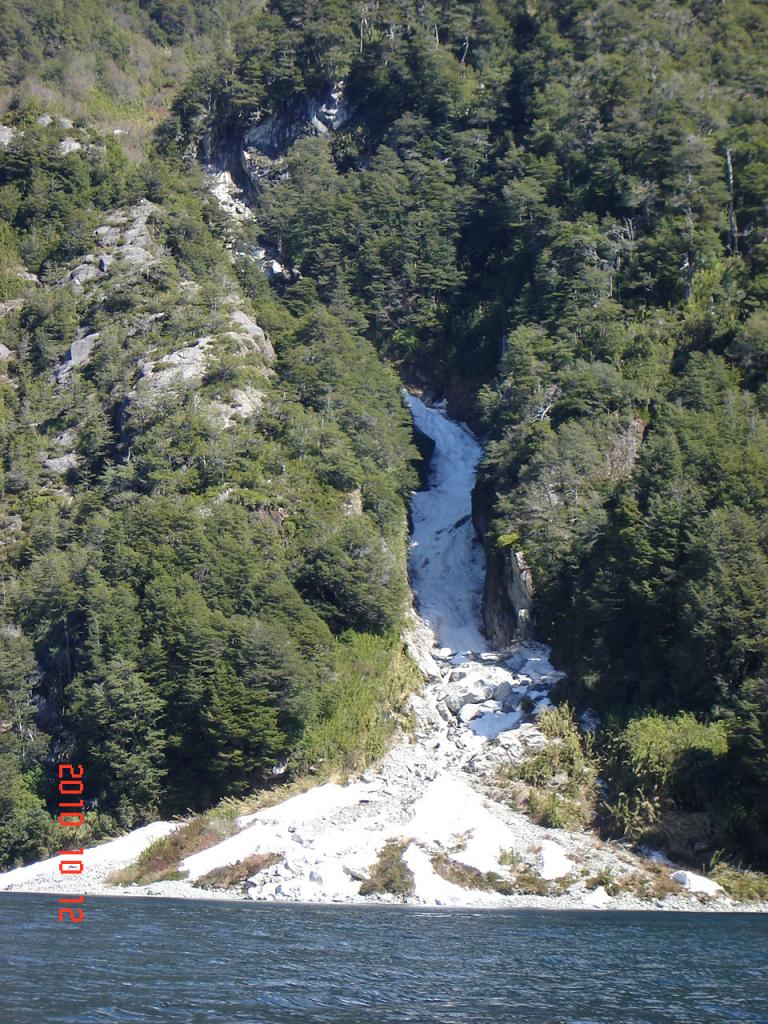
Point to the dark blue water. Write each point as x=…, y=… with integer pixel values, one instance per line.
x=194, y=962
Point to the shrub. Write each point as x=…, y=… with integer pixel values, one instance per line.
x=355, y=714
x=562, y=775
x=160, y=861
x=231, y=876
x=744, y=886
x=655, y=884
x=606, y=878
x=390, y=873
x=469, y=877
x=552, y=810
x=659, y=763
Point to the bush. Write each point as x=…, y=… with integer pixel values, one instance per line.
x=231, y=876
x=355, y=715
x=390, y=873
x=553, y=810
x=160, y=861
x=562, y=775
x=744, y=886
x=27, y=831
x=470, y=878
x=606, y=878
x=659, y=763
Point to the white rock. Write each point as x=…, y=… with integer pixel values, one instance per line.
x=184, y=364
x=229, y=196
x=697, y=883
x=80, y=275
x=62, y=464
x=133, y=255
x=597, y=898
x=243, y=403
x=6, y=135
x=491, y=706
x=554, y=862
x=78, y=354
x=471, y=690
x=657, y=857
x=470, y=711
x=491, y=725
x=246, y=326
x=69, y=145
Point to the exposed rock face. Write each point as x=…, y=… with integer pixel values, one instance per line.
x=188, y=365
x=124, y=240
x=229, y=196
x=353, y=503
x=623, y=455
x=125, y=244
x=69, y=145
x=6, y=308
x=508, y=597
x=244, y=402
x=425, y=447
x=125, y=236
x=307, y=115
x=244, y=325
x=61, y=464
x=78, y=354
x=6, y=135
x=185, y=364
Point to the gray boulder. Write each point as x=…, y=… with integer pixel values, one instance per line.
x=78, y=354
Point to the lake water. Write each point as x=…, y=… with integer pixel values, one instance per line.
x=201, y=961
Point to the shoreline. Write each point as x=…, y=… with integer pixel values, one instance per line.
x=549, y=904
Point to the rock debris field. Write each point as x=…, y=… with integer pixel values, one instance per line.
x=432, y=798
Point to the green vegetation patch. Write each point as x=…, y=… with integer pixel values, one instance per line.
x=361, y=705
x=556, y=785
x=740, y=884
x=469, y=877
x=160, y=861
x=667, y=771
x=390, y=873
x=234, y=876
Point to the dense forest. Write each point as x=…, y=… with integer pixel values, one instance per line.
x=555, y=213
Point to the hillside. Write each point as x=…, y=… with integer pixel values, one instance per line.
x=553, y=213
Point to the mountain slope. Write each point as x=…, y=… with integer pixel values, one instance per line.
x=553, y=212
